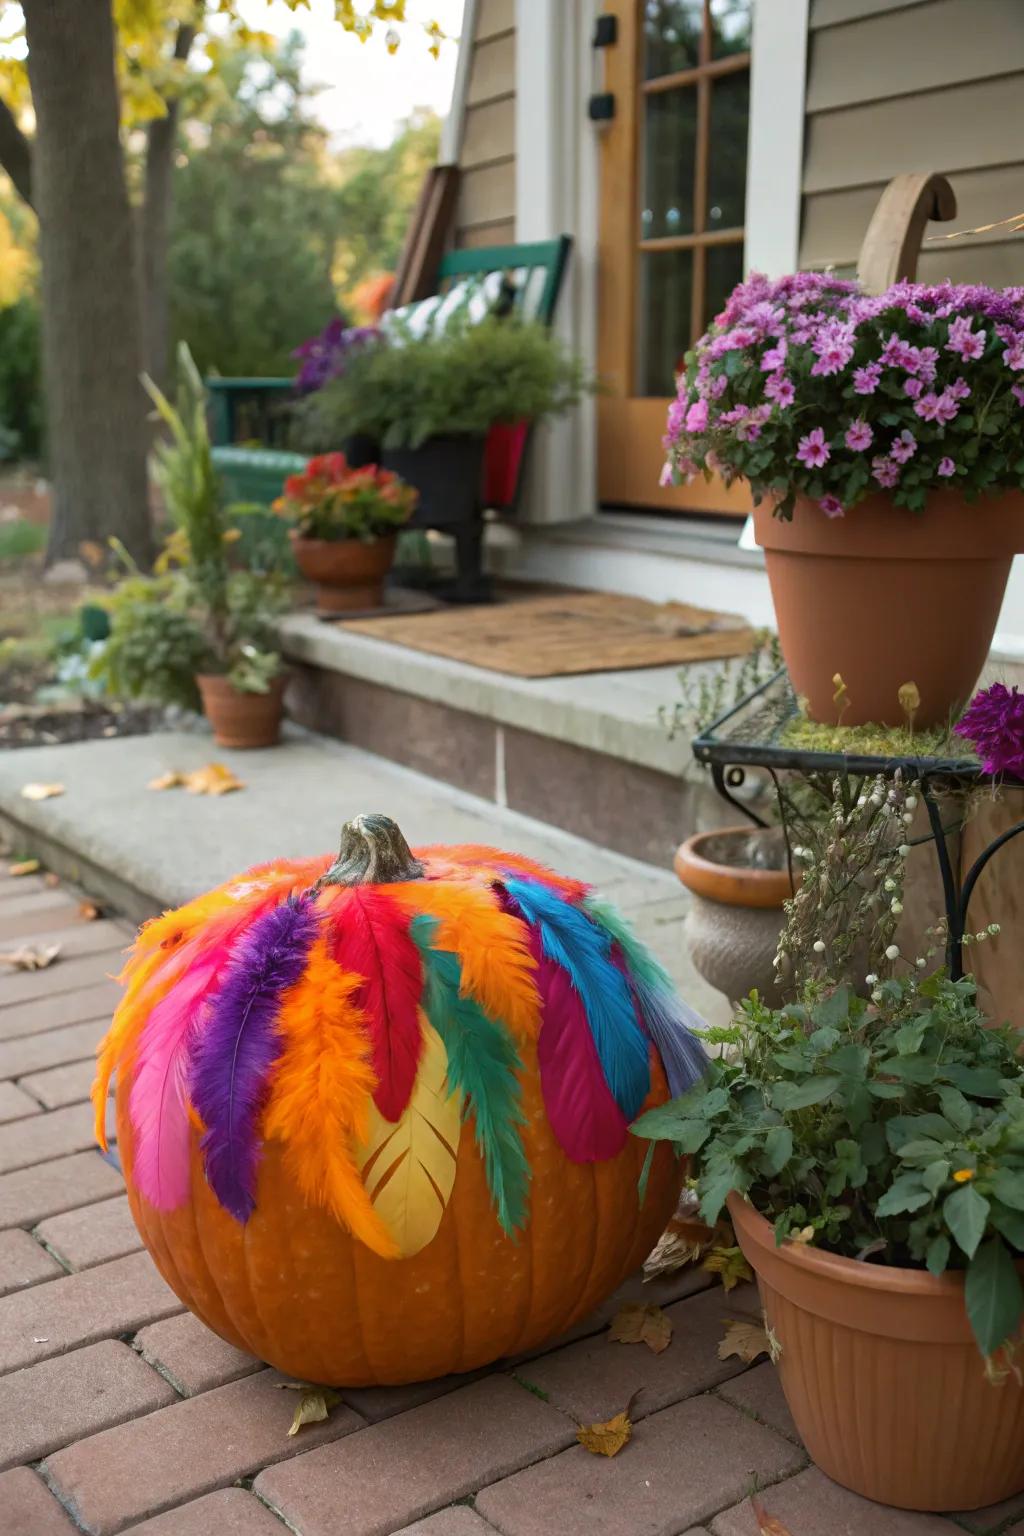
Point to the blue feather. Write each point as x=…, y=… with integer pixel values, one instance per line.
x=583, y=950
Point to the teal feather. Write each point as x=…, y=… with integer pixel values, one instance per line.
x=482, y=1064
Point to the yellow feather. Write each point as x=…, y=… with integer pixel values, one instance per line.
x=409, y=1167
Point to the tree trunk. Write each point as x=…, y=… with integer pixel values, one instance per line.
x=154, y=229
x=92, y=354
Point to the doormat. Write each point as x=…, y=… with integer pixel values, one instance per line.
x=567, y=633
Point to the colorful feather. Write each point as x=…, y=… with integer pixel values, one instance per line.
x=320, y=1096
x=671, y=1023
x=482, y=1066
x=238, y=1045
x=479, y=862
x=492, y=945
x=573, y=941
x=409, y=1168
x=371, y=939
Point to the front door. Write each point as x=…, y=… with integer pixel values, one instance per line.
x=673, y=187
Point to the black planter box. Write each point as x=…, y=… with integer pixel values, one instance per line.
x=448, y=473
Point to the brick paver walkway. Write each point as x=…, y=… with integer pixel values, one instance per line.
x=119, y=1411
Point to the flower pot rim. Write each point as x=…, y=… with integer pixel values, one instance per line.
x=733, y=885
x=220, y=679
x=313, y=545
x=949, y=528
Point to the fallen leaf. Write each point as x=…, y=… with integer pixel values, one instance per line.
x=92, y=553
x=26, y=867
x=213, y=779
x=28, y=958
x=88, y=911
x=748, y=1339
x=635, y=1323
x=51, y=880
x=313, y=1406
x=169, y=780
x=767, y=1524
x=41, y=791
x=730, y=1265
x=608, y=1438
x=685, y=1240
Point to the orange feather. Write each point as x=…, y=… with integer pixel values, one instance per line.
x=489, y=863
x=493, y=948
x=320, y=1096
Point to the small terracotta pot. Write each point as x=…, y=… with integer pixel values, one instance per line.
x=885, y=596
x=242, y=719
x=349, y=573
x=883, y=1377
x=734, y=920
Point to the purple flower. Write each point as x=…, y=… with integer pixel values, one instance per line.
x=963, y=340
x=1013, y=357
x=780, y=389
x=831, y=506
x=943, y=408
x=866, y=379
x=993, y=723
x=959, y=389
x=1017, y=391
x=833, y=347
x=775, y=356
x=813, y=449
x=885, y=472
x=697, y=416
x=904, y=447
x=324, y=357
x=859, y=436
x=946, y=467
x=914, y=387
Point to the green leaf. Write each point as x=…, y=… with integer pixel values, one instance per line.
x=886, y=1090
x=852, y=1060
x=955, y=1108
x=713, y=1195
x=937, y=1257
x=935, y=1175
x=778, y=1149
x=908, y=1039
x=993, y=1296
x=1008, y=1186
x=1010, y=1223
x=645, y=1173
x=921, y=1151
x=824, y=1039
x=904, y=1194
x=912, y=1069
x=979, y=1082
x=835, y=1010
x=663, y=1122
x=966, y=1216
x=815, y=1090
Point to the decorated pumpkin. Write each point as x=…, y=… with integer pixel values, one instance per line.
x=374, y=1118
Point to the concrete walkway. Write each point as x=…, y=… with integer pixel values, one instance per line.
x=119, y=1411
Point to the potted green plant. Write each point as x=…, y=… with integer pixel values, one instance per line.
x=870, y=1147
x=345, y=524
x=867, y=427
x=198, y=632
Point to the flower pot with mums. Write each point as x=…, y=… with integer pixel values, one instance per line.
x=374, y=1111
x=345, y=524
x=883, y=439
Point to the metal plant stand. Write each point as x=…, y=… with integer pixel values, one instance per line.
x=749, y=735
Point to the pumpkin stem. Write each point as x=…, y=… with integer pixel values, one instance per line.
x=373, y=852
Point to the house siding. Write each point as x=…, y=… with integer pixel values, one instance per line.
x=486, y=209
x=922, y=85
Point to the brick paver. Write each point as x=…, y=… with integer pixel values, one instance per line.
x=228, y=1512
x=457, y=1520
x=995, y=1517
x=28, y=1508
x=64, y=975
x=93, y=1234
x=74, y=1395
x=99, y=1303
x=15, y=1103
x=125, y=1474
x=57, y=1086
x=683, y=1464
x=60, y=1131
x=376, y=1403
x=24, y=1262
x=760, y=1392
x=79, y=938
x=32, y=1193
x=813, y=1506
x=32, y=1053
x=395, y=1472
x=191, y=1356
x=95, y=1002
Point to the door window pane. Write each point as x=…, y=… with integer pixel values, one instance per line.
x=730, y=27
x=670, y=133
x=666, y=280
x=724, y=271
x=727, y=152
x=672, y=31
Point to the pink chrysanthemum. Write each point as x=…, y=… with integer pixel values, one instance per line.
x=993, y=723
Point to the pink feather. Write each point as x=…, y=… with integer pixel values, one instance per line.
x=156, y=1102
x=589, y=1124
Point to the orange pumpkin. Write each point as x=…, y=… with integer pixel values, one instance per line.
x=374, y=1117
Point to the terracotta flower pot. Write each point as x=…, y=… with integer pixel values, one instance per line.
x=884, y=597
x=349, y=573
x=242, y=719
x=883, y=1377
x=733, y=923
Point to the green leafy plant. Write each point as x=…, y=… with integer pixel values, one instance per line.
x=408, y=389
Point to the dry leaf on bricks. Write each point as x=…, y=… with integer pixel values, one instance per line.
x=213, y=779
x=608, y=1438
x=747, y=1339
x=25, y=867
x=88, y=911
x=767, y=1525
x=31, y=958
x=41, y=791
x=730, y=1266
x=50, y=880
x=313, y=1406
x=635, y=1323
x=169, y=780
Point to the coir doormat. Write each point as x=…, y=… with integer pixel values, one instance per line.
x=570, y=632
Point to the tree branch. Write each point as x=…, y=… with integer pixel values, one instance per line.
x=15, y=153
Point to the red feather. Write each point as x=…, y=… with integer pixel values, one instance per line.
x=589, y=1124
x=371, y=939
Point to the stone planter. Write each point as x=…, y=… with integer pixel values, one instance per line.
x=738, y=879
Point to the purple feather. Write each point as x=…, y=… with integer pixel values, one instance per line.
x=234, y=1053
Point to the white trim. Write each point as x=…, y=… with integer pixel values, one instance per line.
x=778, y=76
x=453, y=127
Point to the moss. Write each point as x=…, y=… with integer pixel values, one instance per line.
x=875, y=740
